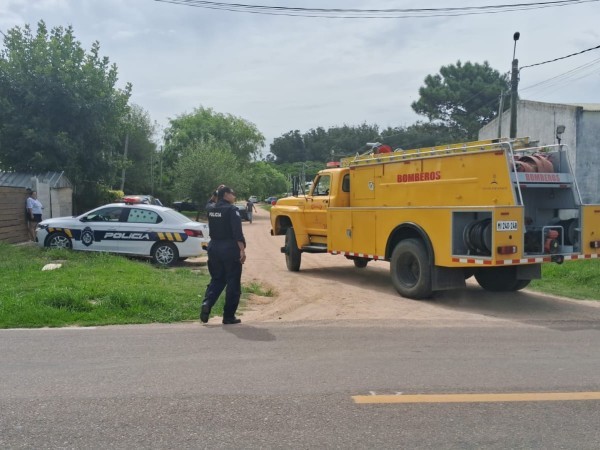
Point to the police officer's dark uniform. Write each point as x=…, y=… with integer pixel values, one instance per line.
x=224, y=257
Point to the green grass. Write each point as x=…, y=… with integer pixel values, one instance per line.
x=96, y=289
x=573, y=279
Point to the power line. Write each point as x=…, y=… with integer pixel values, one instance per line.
x=562, y=57
x=395, y=13
x=572, y=75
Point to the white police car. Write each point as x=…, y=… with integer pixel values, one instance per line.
x=146, y=230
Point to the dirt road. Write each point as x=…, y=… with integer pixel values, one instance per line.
x=330, y=288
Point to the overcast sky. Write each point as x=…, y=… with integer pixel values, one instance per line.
x=285, y=73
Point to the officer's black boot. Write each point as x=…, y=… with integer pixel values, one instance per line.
x=231, y=320
x=204, y=313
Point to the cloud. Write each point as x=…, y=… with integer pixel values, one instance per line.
x=285, y=73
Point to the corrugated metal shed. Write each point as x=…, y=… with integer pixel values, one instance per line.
x=55, y=180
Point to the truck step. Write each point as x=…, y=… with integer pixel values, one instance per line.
x=315, y=248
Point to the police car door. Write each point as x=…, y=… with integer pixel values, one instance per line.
x=139, y=230
x=99, y=228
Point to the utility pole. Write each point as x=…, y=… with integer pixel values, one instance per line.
x=514, y=89
x=152, y=172
x=125, y=154
x=161, y=161
x=500, y=111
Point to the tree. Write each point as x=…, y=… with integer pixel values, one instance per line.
x=322, y=145
x=205, y=165
x=265, y=180
x=184, y=132
x=304, y=171
x=462, y=97
x=289, y=147
x=419, y=135
x=60, y=108
x=142, y=158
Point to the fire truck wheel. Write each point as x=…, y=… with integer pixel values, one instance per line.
x=500, y=279
x=411, y=270
x=361, y=263
x=293, y=256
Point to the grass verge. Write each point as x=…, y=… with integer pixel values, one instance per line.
x=96, y=289
x=573, y=279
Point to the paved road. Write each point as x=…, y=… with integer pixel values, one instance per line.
x=291, y=385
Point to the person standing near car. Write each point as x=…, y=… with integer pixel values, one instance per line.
x=249, y=207
x=34, y=213
x=226, y=254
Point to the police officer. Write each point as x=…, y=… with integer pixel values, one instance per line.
x=226, y=254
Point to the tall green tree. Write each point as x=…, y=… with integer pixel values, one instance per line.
x=265, y=180
x=203, y=124
x=60, y=108
x=419, y=135
x=219, y=146
x=142, y=163
x=289, y=147
x=464, y=97
x=322, y=145
x=205, y=165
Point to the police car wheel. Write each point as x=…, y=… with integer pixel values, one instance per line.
x=164, y=254
x=58, y=240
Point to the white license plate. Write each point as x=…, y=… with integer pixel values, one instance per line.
x=506, y=225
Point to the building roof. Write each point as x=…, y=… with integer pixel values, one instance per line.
x=56, y=180
x=584, y=106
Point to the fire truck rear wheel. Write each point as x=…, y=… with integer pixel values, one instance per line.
x=410, y=269
x=500, y=279
x=293, y=256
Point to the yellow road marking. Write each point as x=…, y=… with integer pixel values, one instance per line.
x=478, y=398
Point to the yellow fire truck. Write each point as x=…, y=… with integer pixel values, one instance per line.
x=495, y=209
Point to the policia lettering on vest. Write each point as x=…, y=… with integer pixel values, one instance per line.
x=226, y=254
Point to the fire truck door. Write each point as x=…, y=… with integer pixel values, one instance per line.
x=316, y=208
